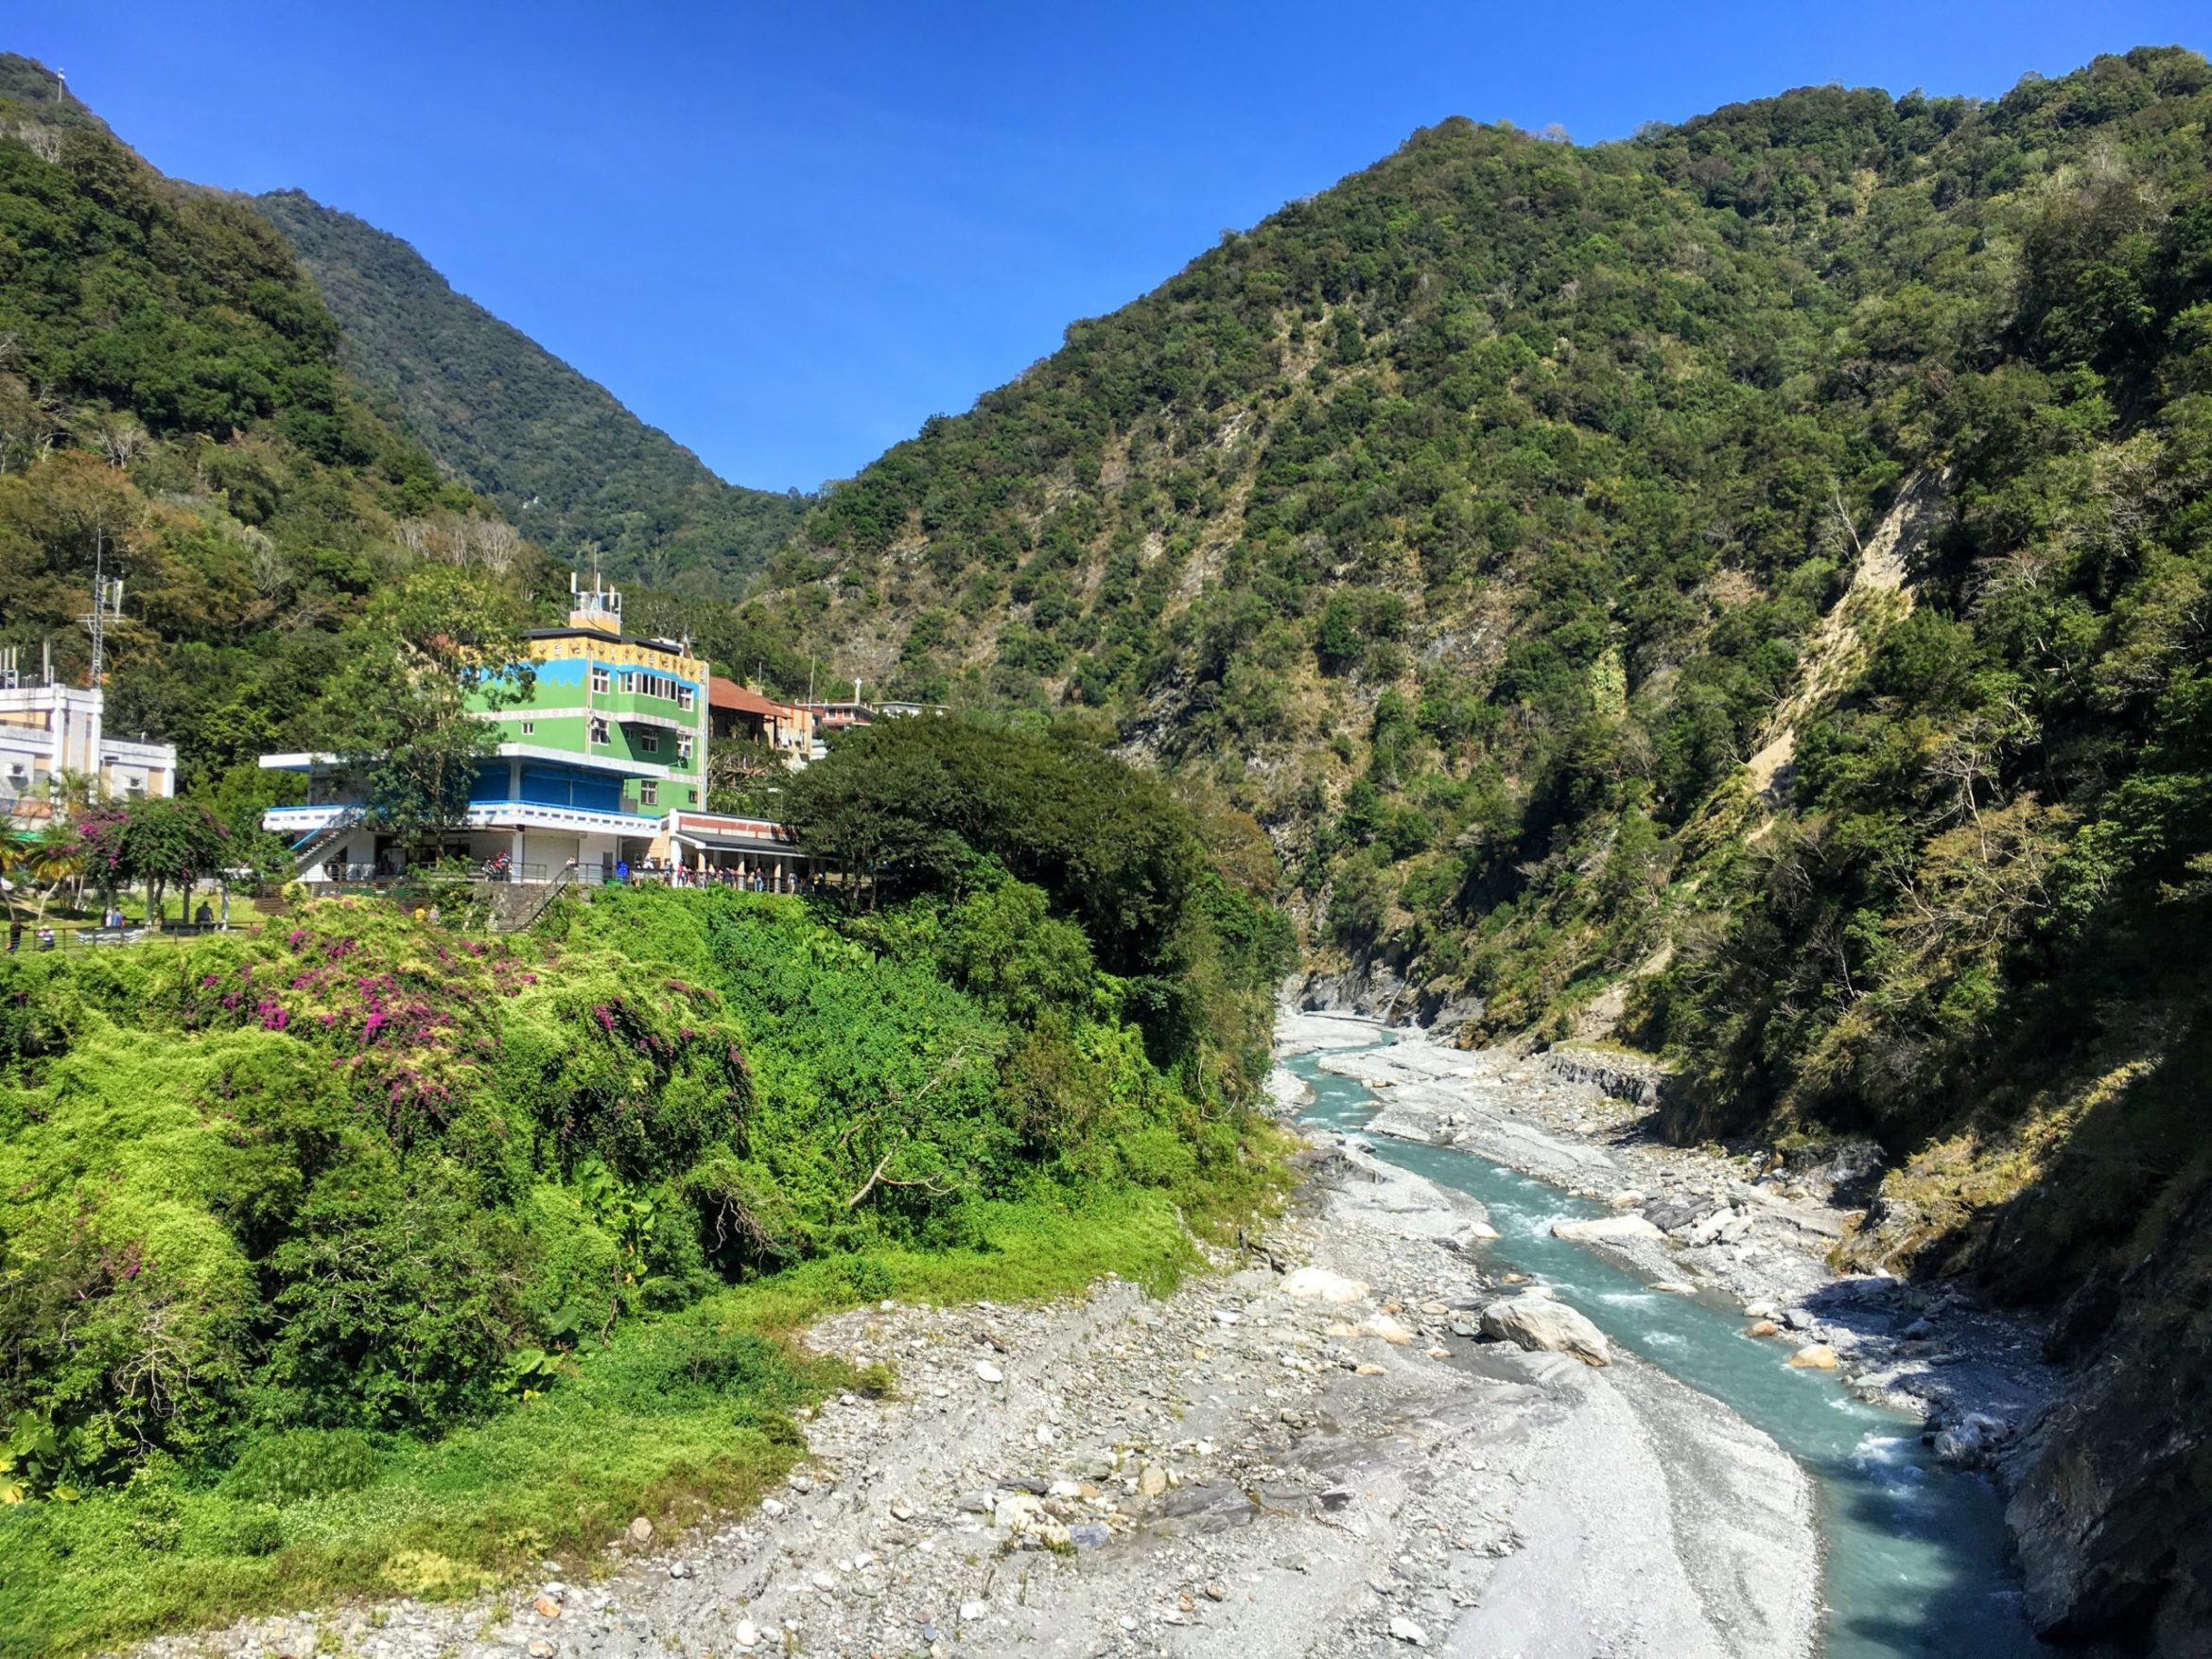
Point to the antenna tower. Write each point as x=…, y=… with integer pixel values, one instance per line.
x=107, y=607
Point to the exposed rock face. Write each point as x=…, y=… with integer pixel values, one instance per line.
x=1534, y=1321
x=2111, y=1503
x=1372, y=988
x=1377, y=988
x=1623, y=1077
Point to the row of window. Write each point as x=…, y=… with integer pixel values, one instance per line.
x=601, y=732
x=637, y=682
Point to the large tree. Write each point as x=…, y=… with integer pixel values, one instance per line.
x=157, y=844
x=404, y=713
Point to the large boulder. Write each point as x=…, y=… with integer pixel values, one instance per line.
x=1607, y=1230
x=1319, y=1284
x=1534, y=1322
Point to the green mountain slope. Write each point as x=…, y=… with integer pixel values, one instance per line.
x=1742, y=590
x=566, y=463
x=170, y=403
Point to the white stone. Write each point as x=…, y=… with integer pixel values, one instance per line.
x=1405, y=1630
x=1319, y=1284
x=989, y=1373
x=746, y=1635
x=1539, y=1323
x=1605, y=1229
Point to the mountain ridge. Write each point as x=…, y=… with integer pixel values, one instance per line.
x=563, y=457
x=1475, y=522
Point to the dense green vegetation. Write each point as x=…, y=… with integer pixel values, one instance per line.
x=178, y=403
x=355, y=1254
x=1471, y=521
x=569, y=465
x=171, y=407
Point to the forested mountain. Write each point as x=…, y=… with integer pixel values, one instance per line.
x=566, y=464
x=170, y=402
x=1742, y=590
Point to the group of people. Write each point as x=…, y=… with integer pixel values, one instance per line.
x=677, y=874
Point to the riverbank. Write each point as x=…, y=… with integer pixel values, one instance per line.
x=1699, y=1218
x=1266, y=1462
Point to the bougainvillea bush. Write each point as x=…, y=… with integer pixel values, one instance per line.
x=330, y=1244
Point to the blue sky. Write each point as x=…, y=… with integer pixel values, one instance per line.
x=787, y=234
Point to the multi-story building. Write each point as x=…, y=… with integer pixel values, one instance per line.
x=53, y=737
x=609, y=742
x=602, y=764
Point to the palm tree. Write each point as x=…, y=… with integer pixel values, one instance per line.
x=55, y=856
x=14, y=854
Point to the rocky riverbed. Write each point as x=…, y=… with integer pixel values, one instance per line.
x=1314, y=1451
x=1755, y=1228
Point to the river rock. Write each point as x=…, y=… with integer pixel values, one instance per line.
x=989, y=1373
x=1972, y=1441
x=1762, y=1328
x=1673, y=1214
x=1319, y=1284
x=1405, y=1630
x=1388, y=1328
x=1721, y=1227
x=1814, y=1357
x=1539, y=1324
x=1605, y=1229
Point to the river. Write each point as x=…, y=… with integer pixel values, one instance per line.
x=1913, y=1554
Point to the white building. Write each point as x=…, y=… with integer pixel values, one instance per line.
x=46, y=731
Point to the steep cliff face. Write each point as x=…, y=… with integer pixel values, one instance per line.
x=2112, y=1513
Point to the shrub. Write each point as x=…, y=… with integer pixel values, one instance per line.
x=295, y=1464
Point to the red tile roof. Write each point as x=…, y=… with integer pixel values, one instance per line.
x=722, y=693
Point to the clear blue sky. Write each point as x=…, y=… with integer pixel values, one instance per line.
x=787, y=234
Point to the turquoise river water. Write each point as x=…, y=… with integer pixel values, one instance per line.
x=1913, y=1559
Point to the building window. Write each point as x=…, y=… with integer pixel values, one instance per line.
x=649, y=741
x=683, y=751
x=694, y=797
x=599, y=728
x=599, y=680
x=685, y=697
x=649, y=794
x=530, y=729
